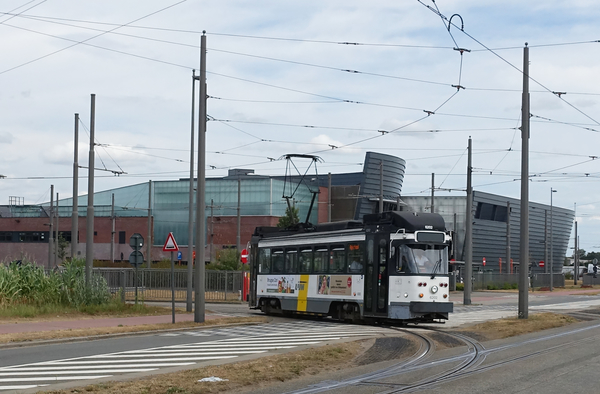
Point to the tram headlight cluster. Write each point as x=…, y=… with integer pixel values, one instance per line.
x=443, y=284
x=424, y=284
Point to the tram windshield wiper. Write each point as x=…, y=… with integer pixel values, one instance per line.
x=437, y=265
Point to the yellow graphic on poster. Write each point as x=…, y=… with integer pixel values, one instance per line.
x=335, y=285
x=302, y=293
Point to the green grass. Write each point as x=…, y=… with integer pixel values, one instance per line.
x=113, y=308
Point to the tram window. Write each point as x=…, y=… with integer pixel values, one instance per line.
x=404, y=261
x=337, y=262
x=321, y=259
x=264, y=261
x=305, y=260
x=356, y=257
x=277, y=263
x=291, y=261
x=370, y=254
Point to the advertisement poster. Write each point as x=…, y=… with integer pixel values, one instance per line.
x=281, y=284
x=335, y=285
x=323, y=284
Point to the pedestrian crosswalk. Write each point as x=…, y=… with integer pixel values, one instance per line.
x=239, y=341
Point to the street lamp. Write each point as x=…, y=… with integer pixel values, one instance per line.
x=551, y=242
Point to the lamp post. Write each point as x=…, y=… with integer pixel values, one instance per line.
x=551, y=241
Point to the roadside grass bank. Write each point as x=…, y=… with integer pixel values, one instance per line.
x=321, y=360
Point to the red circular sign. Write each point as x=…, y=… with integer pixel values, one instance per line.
x=244, y=256
x=541, y=264
x=349, y=281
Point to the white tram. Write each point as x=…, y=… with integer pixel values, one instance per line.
x=391, y=266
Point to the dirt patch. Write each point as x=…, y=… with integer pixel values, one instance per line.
x=443, y=341
x=510, y=327
x=384, y=349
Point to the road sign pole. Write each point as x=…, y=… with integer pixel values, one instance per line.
x=173, y=287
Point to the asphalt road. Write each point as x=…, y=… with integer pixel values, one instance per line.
x=523, y=364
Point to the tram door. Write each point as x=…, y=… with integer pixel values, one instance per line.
x=376, y=275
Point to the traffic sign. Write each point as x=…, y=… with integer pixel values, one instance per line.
x=136, y=258
x=136, y=241
x=170, y=244
x=179, y=255
x=484, y=261
x=244, y=256
x=541, y=264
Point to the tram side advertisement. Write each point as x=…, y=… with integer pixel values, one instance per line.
x=281, y=284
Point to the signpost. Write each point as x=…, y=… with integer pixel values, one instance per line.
x=171, y=246
x=136, y=257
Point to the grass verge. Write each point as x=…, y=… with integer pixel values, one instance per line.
x=90, y=332
x=284, y=367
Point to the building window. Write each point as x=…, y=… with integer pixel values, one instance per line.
x=32, y=236
x=485, y=211
x=122, y=237
x=5, y=236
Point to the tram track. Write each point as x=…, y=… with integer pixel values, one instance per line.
x=468, y=363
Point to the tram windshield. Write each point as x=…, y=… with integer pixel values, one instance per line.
x=420, y=259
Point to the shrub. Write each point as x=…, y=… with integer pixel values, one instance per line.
x=460, y=287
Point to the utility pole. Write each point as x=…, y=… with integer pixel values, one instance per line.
x=432, y=191
x=56, y=216
x=551, y=241
x=51, y=232
x=508, y=237
x=576, y=255
x=112, y=232
x=199, y=312
x=468, y=233
x=545, y=241
x=75, y=212
x=89, y=236
x=524, y=236
x=190, y=255
x=329, y=197
x=239, y=218
x=212, y=228
x=381, y=186
x=149, y=240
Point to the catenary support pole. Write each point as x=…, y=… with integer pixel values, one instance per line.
x=524, y=220
x=190, y=251
x=508, y=237
x=149, y=239
x=199, y=311
x=112, y=228
x=89, y=228
x=467, y=280
x=329, y=197
x=56, y=243
x=432, y=192
x=51, y=229
x=239, y=219
x=75, y=211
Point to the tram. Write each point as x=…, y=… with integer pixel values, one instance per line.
x=389, y=267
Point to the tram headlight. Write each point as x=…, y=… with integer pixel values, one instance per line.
x=434, y=289
x=405, y=295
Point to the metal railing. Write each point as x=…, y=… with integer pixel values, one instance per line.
x=155, y=284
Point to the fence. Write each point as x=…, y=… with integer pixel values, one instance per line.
x=488, y=280
x=155, y=284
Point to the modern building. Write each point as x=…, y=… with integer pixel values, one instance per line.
x=156, y=208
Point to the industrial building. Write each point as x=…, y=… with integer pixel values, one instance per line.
x=245, y=200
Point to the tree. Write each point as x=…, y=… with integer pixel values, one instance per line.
x=290, y=218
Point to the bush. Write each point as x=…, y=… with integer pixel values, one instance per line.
x=28, y=284
x=460, y=287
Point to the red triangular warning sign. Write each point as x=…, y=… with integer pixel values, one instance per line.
x=170, y=244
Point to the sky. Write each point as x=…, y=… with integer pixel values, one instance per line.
x=329, y=78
